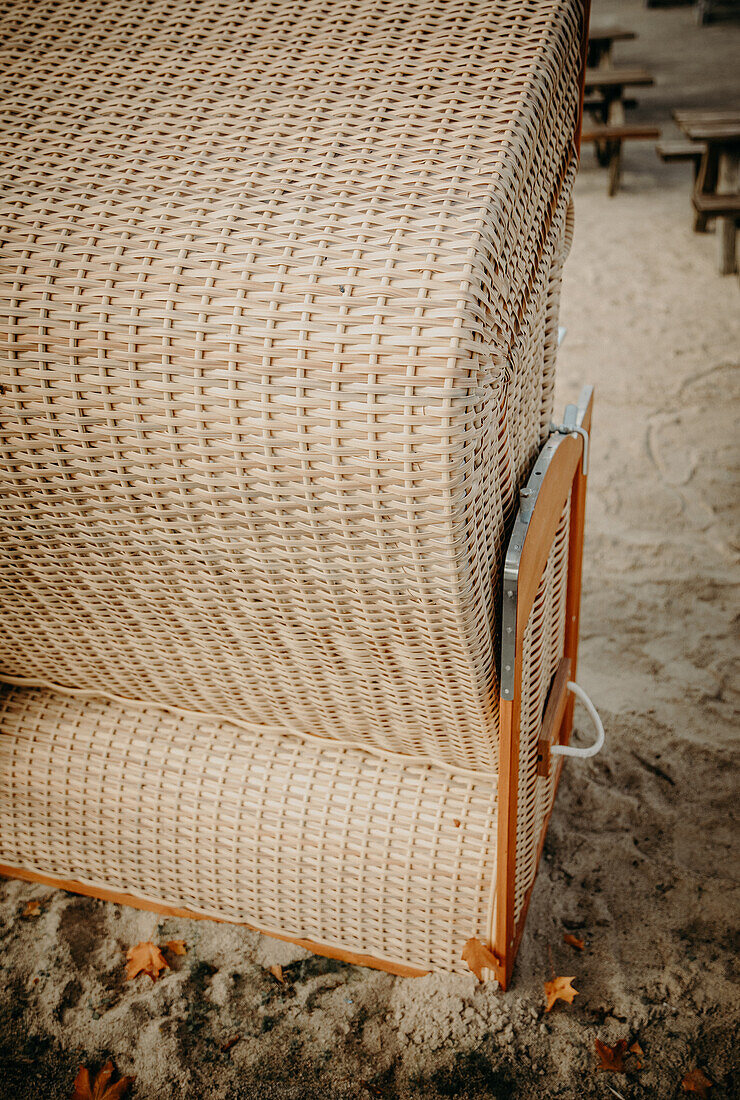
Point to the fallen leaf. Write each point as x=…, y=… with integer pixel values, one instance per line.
x=612, y=1058
x=573, y=941
x=637, y=1049
x=277, y=972
x=457, y=823
x=479, y=958
x=559, y=989
x=145, y=958
x=697, y=1081
x=177, y=947
x=32, y=908
x=230, y=1043
x=101, y=1089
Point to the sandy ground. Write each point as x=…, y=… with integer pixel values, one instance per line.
x=639, y=857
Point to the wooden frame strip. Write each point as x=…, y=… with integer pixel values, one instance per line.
x=564, y=476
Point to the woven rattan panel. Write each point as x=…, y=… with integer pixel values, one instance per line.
x=322, y=842
x=282, y=284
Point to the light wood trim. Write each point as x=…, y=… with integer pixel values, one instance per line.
x=564, y=475
x=553, y=717
x=620, y=132
x=552, y=495
x=120, y=898
x=573, y=608
x=503, y=932
x=575, y=574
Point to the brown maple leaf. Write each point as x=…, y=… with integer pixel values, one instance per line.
x=177, y=947
x=612, y=1058
x=32, y=908
x=277, y=972
x=145, y=958
x=573, y=941
x=479, y=957
x=101, y=1088
x=559, y=989
x=637, y=1050
x=697, y=1081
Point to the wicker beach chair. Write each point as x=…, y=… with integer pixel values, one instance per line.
x=289, y=553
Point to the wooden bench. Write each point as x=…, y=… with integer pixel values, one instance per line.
x=716, y=183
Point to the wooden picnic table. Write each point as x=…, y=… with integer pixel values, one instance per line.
x=606, y=102
x=601, y=42
x=716, y=188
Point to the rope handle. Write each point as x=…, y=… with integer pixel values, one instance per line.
x=572, y=750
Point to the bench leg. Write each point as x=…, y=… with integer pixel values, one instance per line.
x=615, y=167
x=726, y=235
x=705, y=180
x=727, y=172
x=615, y=117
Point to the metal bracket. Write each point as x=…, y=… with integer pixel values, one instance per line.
x=572, y=423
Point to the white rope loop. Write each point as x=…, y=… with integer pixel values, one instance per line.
x=572, y=750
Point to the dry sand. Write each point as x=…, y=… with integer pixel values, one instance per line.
x=639, y=858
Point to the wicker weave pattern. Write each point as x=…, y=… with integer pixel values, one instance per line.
x=283, y=283
x=322, y=842
x=318, y=841
x=542, y=651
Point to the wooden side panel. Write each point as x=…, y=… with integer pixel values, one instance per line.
x=564, y=476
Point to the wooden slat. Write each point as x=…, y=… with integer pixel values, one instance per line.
x=713, y=131
x=620, y=133
x=610, y=34
x=617, y=78
x=703, y=117
x=680, y=150
x=717, y=205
